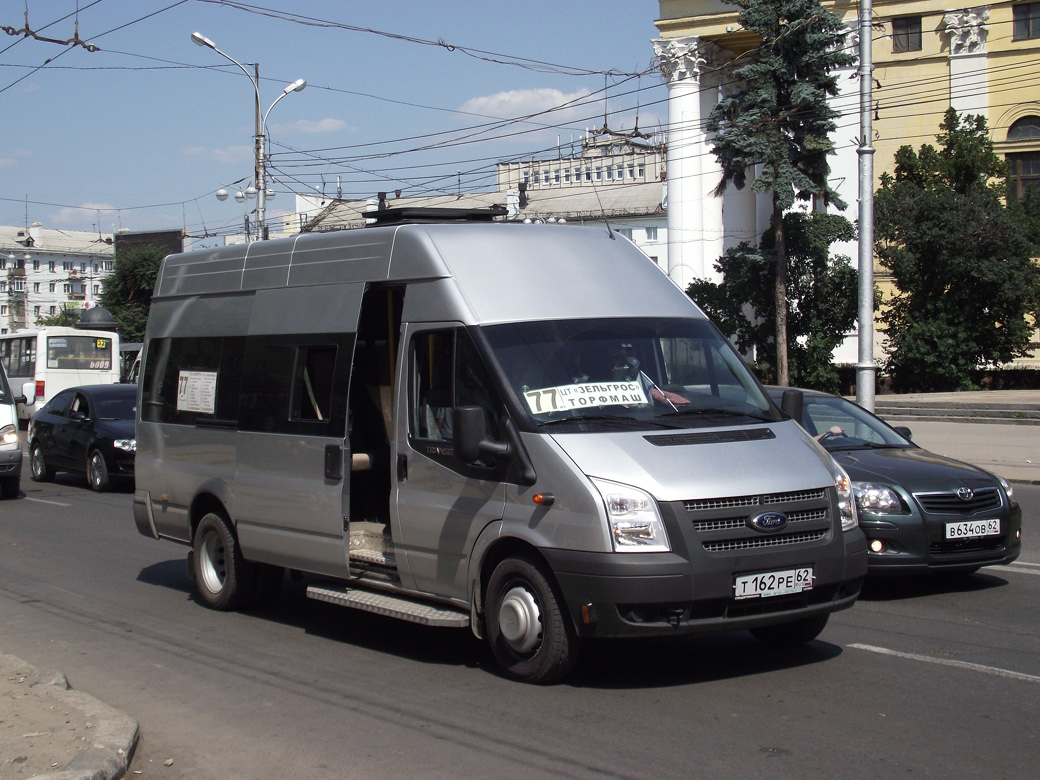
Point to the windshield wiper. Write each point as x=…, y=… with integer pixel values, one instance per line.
x=715, y=411
x=604, y=418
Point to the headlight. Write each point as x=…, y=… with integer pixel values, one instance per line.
x=127, y=445
x=9, y=435
x=846, y=499
x=634, y=520
x=1003, y=483
x=880, y=499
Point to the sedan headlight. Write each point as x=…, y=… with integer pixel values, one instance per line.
x=846, y=499
x=126, y=445
x=9, y=435
x=634, y=519
x=1006, y=485
x=879, y=499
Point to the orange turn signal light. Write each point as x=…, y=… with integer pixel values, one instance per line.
x=544, y=499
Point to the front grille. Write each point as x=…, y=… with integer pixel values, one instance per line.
x=954, y=546
x=779, y=540
x=706, y=504
x=948, y=503
x=724, y=524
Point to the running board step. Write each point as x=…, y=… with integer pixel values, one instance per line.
x=391, y=606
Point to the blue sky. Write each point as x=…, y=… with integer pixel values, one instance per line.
x=142, y=132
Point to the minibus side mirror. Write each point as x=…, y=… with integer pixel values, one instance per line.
x=29, y=391
x=791, y=404
x=470, y=434
x=21, y=399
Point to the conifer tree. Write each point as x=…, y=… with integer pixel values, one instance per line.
x=779, y=118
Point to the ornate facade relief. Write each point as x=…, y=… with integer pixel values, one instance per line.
x=680, y=59
x=967, y=30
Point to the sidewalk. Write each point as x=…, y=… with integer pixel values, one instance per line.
x=49, y=731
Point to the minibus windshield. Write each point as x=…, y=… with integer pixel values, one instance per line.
x=661, y=372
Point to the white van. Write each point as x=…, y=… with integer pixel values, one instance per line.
x=528, y=430
x=10, y=443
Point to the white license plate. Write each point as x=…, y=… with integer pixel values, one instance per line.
x=971, y=529
x=773, y=583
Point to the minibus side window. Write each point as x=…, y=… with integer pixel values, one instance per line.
x=200, y=381
x=432, y=391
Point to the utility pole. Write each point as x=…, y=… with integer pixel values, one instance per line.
x=865, y=368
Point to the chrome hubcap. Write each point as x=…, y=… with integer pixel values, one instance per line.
x=520, y=620
x=212, y=564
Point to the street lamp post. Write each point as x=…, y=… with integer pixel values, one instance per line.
x=260, y=135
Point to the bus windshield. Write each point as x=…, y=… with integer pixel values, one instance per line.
x=79, y=352
x=642, y=373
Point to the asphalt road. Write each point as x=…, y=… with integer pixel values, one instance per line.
x=923, y=678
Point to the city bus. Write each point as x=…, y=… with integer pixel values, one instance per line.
x=55, y=358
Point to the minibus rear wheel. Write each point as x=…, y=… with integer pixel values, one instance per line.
x=530, y=633
x=223, y=578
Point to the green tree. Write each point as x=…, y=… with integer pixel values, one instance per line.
x=780, y=118
x=127, y=292
x=821, y=306
x=959, y=257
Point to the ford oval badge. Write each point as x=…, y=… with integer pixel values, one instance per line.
x=769, y=521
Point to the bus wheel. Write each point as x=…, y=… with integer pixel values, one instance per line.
x=38, y=468
x=797, y=632
x=97, y=471
x=530, y=634
x=223, y=578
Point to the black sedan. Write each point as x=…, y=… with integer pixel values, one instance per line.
x=921, y=512
x=88, y=429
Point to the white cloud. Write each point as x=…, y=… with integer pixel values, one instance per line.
x=82, y=217
x=525, y=102
x=14, y=158
x=312, y=126
x=229, y=154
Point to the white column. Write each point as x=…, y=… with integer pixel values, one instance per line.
x=968, y=79
x=694, y=214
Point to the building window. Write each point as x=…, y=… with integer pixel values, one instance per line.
x=68, y=289
x=545, y=177
x=66, y=266
x=36, y=265
x=3, y=262
x=50, y=266
x=906, y=34
x=97, y=290
x=36, y=311
x=651, y=234
x=588, y=174
x=50, y=287
x=626, y=232
x=631, y=170
x=566, y=175
x=527, y=181
x=54, y=309
x=83, y=268
x=610, y=173
x=556, y=176
x=599, y=173
x=620, y=172
x=1024, y=166
x=110, y=264
x=36, y=287
x=640, y=171
x=1027, y=21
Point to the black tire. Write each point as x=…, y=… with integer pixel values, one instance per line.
x=9, y=486
x=224, y=580
x=39, y=471
x=97, y=471
x=531, y=636
x=797, y=632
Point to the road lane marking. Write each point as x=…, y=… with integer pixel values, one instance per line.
x=996, y=671
x=1018, y=568
x=41, y=501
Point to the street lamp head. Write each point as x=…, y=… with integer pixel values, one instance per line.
x=250, y=192
x=296, y=86
x=240, y=196
x=222, y=194
x=201, y=40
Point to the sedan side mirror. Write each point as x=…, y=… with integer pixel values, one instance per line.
x=903, y=431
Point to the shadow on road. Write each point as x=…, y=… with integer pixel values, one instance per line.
x=925, y=585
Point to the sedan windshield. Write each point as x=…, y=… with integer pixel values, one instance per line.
x=839, y=424
x=642, y=373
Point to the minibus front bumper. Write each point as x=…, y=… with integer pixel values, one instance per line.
x=647, y=594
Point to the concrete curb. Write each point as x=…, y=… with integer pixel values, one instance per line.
x=49, y=704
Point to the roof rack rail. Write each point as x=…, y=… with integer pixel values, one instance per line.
x=412, y=215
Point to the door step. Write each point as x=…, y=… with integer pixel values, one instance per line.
x=398, y=607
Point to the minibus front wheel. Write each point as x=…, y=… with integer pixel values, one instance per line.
x=222, y=575
x=531, y=636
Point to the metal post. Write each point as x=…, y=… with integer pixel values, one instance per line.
x=261, y=163
x=865, y=368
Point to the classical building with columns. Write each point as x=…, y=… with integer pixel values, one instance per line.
x=927, y=57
